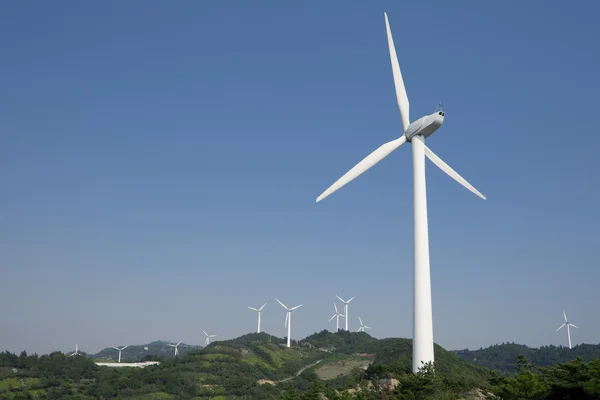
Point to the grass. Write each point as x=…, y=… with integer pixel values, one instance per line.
x=334, y=368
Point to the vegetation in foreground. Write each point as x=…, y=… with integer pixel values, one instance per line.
x=339, y=366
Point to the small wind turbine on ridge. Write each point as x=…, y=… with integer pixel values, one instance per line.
x=120, y=350
x=415, y=133
x=362, y=326
x=208, y=337
x=175, y=345
x=288, y=320
x=568, y=325
x=345, y=308
x=76, y=352
x=337, y=316
x=259, y=311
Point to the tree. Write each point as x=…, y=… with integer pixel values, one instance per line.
x=526, y=385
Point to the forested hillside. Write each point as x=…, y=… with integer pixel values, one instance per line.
x=340, y=366
x=151, y=351
x=501, y=357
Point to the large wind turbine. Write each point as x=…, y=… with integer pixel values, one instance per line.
x=175, y=345
x=337, y=316
x=208, y=337
x=76, y=352
x=345, y=307
x=288, y=320
x=120, y=350
x=258, y=310
x=415, y=133
x=568, y=325
x=362, y=326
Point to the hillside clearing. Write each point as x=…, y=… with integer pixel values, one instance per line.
x=343, y=367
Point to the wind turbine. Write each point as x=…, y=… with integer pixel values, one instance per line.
x=415, y=133
x=288, y=320
x=258, y=310
x=345, y=308
x=337, y=316
x=568, y=325
x=120, y=350
x=208, y=337
x=362, y=326
x=175, y=345
x=76, y=352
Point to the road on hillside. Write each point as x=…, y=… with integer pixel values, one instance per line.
x=299, y=372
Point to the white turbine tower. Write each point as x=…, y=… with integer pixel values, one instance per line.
x=120, y=350
x=362, y=326
x=568, y=325
x=175, y=345
x=337, y=316
x=258, y=310
x=345, y=308
x=208, y=337
x=76, y=352
x=288, y=320
x=415, y=133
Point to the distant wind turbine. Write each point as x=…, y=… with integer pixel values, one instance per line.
x=175, y=345
x=76, y=352
x=337, y=316
x=207, y=341
x=120, y=350
x=567, y=324
x=345, y=308
x=258, y=310
x=362, y=326
x=288, y=320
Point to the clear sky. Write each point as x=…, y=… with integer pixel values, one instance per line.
x=160, y=161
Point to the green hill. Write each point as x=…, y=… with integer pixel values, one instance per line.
x=152, y=351
x=394, y=355
x=258, y=366
x=501, y=357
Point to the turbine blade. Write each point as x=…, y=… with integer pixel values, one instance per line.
x=565, y=314
x=204, y=332
x=293, y=308
x=334, y=306
x=342, y=300
x=352, y=298
x=574, y=326
x=382, y=152
x=179, y=342
x=263, y=306
x=560, y=327
x=125, y=347
x=334, y=315
x=282, y=305
x=401, y=96
x=116, y=348
x=452, y=173
x=252, y=308
x=360, y=321
x=367, y=327
x=287, y=316
x=213, y=336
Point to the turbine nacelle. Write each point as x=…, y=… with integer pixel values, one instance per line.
x=425, y=126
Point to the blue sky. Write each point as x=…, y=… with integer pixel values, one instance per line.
x=160, y=162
